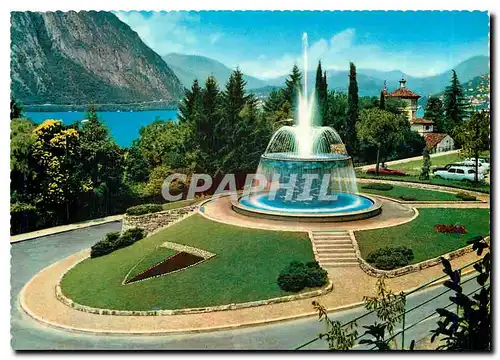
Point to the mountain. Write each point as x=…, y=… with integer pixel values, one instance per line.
x=85, y=57
x=371, y=81
x=190, y=67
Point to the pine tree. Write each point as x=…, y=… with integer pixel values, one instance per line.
x=16, y=109
x=381, y=103
x=455, y=105
x=206, y=128
x=352, y=110
x=434, y=110
x=293, y=86
x=426, y=166
x=190, y=105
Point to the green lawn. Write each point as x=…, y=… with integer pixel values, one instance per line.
x=484, y=188
x=245, y=268
x=152, y=259
x=419, y=194
x=180, y=203
x=414, y=167
x=422, y=238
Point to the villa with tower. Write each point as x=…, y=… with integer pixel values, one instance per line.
x=435, y=142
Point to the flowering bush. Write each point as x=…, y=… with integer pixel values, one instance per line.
x=451, y=229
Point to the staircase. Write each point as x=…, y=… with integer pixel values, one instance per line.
x=333, y=248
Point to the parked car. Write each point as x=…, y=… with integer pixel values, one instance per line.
x=481, y=168
x=385, y=171
x=485, y=163
x=460, y=173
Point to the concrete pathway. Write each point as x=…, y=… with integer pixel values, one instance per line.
x=64, y=228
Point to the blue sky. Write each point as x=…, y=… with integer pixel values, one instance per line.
x=267, y=44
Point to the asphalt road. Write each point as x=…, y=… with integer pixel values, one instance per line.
x=30, y=257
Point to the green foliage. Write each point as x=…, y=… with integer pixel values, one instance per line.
x=321, y=86
x=408, y=198
x=336, y=112
x=297, y=276
x=337, y=336
x=455, y=105
x=468, y=325
x=426, y=166
x=388, y=258
x=114, y=240
x=434, y=110
x=144, y=209
x=352, y=111
x=129, y=237
x=474, y=135
x=464, y=196
x=16, y=108
x=293, y=86
x=378, y=186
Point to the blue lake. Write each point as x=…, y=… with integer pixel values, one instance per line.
x=123, y=125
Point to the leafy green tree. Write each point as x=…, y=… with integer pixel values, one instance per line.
x=336, y=112
x=379, y=128
x=352, y=110
x=394, y=105
x=455, y=105
x=474, y=135
x=434, y=110
x=293, y=86
x=426, y=166
x=16, y=108
x=21, y=161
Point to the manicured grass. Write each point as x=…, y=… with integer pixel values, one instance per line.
x=152, y=259
x=245, y=268
x=180, y=203
x=484, y=188
x=422, y=238
x=414, y=167
x=419, y=194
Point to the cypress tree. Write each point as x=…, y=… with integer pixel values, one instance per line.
x=352, y=110
x=434, y=110
x=320, y=88
x=426, y=166
x=455, y=105
x=381, y=103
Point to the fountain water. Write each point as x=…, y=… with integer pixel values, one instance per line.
x=307, y=171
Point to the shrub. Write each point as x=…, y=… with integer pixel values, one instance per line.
x=144, y=209
x=408, y=198
x=451, y=229
x=113, y=241
x=388, y=258
x=466, y=196
x=129, y=237
x=297, y=276
x=378, y=186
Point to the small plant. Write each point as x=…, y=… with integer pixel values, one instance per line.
x=426, y=166
x=464, y=196
x=451, y=229
x=388, y=258
x=297, y=276
x=378, y=186
x=113, y=241
x=408, y=198
x=144, y=209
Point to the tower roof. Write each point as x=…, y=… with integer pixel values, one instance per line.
x=403, y=92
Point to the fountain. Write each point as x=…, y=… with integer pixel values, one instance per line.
x=306, y=173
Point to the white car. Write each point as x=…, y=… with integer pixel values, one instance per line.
x=484, y=162
x=459, y=173
x=480, y=167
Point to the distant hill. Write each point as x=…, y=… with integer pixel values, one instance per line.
x=371, y=81
x=189, y=67
x=85, y=57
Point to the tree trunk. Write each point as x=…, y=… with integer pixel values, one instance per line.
x=378, y=159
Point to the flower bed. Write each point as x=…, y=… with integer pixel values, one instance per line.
x=451, y=229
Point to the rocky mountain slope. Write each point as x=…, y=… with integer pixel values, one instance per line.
x=85, y=57
x=189, y=67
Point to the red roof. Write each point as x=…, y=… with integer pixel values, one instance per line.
x=432, y=139
x=421, y=121
x=404, y=93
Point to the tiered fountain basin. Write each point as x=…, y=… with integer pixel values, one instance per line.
x=346, y=205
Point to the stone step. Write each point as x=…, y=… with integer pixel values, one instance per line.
x=339, y=265
x=336, y=251
x=337, y=259
x=333, y=242
x=325, y=255
x=334, y=246
x=330, y=233
x=331, y=236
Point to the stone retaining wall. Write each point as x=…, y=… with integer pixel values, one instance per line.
x=370, y=270
x=155, y=221
x=65, y=300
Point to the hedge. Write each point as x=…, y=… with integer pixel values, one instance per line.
x=144, y=209
x=388, y=258
x=297, y=276
x=113, y=241
x=378, y=186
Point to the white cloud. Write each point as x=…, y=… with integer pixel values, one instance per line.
x=213, y=38
x=164, y=32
